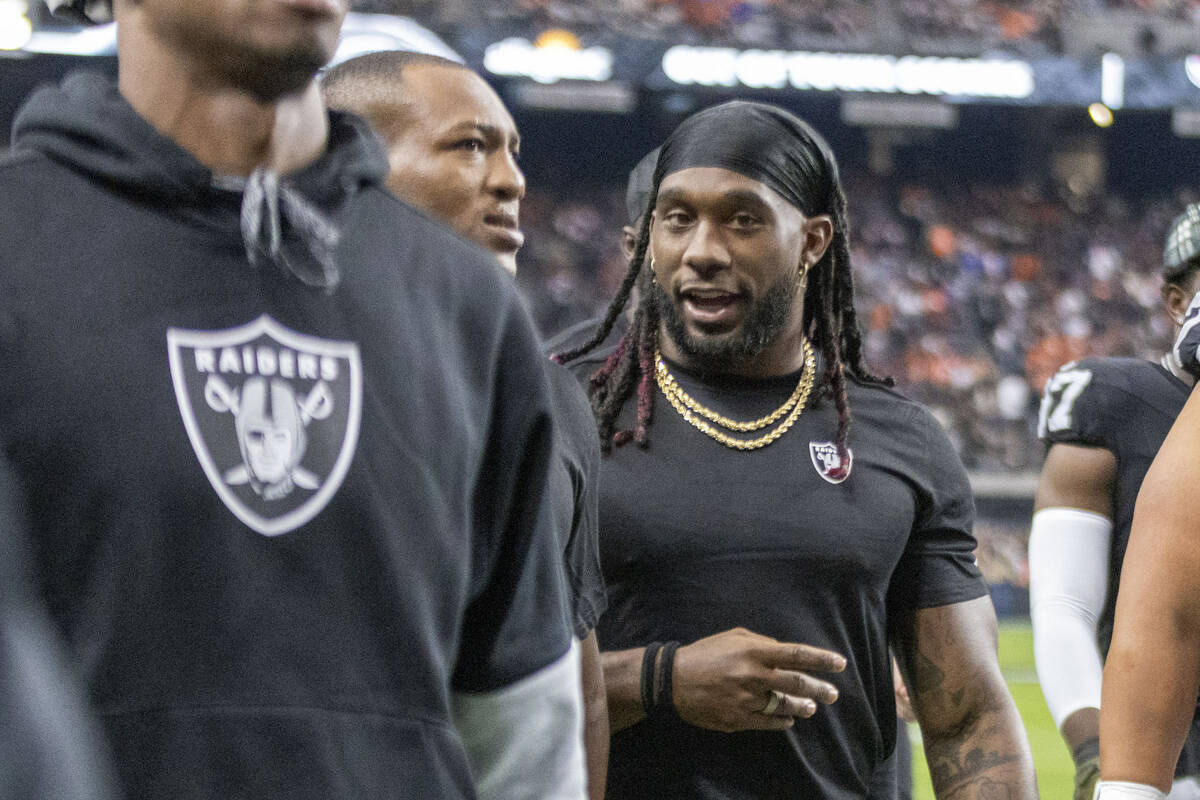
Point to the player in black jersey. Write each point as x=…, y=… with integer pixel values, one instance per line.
x=1103, y=420
x=758, y=569
x=284, y=439
x=453, y=148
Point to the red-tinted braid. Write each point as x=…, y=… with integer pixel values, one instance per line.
x=646, y=386
x=608, y=398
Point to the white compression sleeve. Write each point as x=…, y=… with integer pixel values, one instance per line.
x=1123, y=790
x=1068, y=580
x=525, y=741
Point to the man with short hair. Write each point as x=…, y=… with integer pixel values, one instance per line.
x=1103, y=420
x=283, y=438
x=452, y=148
x=757, y=564
x=452, y=145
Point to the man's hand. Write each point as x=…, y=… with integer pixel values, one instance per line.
x=738, y=680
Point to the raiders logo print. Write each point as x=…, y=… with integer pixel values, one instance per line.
x=828, y=463
x=272, y=414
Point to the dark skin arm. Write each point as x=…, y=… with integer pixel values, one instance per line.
x=1152, y=673
x=723, y=682
x=1080, y=477
x=595, y=716
x=974, y=741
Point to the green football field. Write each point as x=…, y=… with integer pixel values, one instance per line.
x=1050, y=757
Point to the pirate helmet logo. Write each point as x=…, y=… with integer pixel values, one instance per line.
x=828, y=463
x=272, y=415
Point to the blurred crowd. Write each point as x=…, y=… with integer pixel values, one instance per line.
x=1027, y=26
x=970, y=297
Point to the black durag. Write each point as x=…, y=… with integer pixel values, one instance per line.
x=763, y=143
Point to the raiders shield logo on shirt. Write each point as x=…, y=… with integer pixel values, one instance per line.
x=828, y=463
x=273, y=416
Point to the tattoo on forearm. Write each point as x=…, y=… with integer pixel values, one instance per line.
x=927, y=676
x=928, y=681
x=954, y=773
x=971, y=759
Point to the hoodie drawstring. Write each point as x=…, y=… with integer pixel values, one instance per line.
x=267, y=205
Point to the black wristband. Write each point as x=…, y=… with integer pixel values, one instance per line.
x=648, y=659
x=1086, y=750
x=664, y=701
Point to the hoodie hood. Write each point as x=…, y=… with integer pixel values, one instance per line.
x=292, y=220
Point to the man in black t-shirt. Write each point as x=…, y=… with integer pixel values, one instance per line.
x=453, y=151
x=1103, y=420
x=283, y=438
x=757, y=564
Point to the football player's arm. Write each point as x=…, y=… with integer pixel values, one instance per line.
x=974, y=742
x=1069, y=547
x=595, y=716
x=1152, y=673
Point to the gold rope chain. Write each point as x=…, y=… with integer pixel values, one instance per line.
x=696, y=414
x=666, y=382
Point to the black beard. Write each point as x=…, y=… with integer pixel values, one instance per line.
x=767, y=319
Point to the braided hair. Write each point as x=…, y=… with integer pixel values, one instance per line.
x=830, y=320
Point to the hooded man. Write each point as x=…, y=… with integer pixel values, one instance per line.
x=175, y=247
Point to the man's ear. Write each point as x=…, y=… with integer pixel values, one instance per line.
x=818, y=235
x=628, y=241
x=1176, y=298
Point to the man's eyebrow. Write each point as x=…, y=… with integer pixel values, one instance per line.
x=743, y=197
x=491, y=132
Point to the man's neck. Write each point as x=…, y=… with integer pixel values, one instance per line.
x=226, y=128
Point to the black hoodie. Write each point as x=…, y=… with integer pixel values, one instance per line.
x=285, y=488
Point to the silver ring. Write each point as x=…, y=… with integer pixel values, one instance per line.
x=773, y=702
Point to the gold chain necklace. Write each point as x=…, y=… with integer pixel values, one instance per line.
x=699, y=416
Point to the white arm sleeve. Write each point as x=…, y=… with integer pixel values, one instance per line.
x=525, y=741
x=1123, y=790
x=1068, y=580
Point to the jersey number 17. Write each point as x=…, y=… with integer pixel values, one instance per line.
x=1059, y=399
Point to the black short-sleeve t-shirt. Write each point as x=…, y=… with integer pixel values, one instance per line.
x=697, y=538
x=573, y=492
